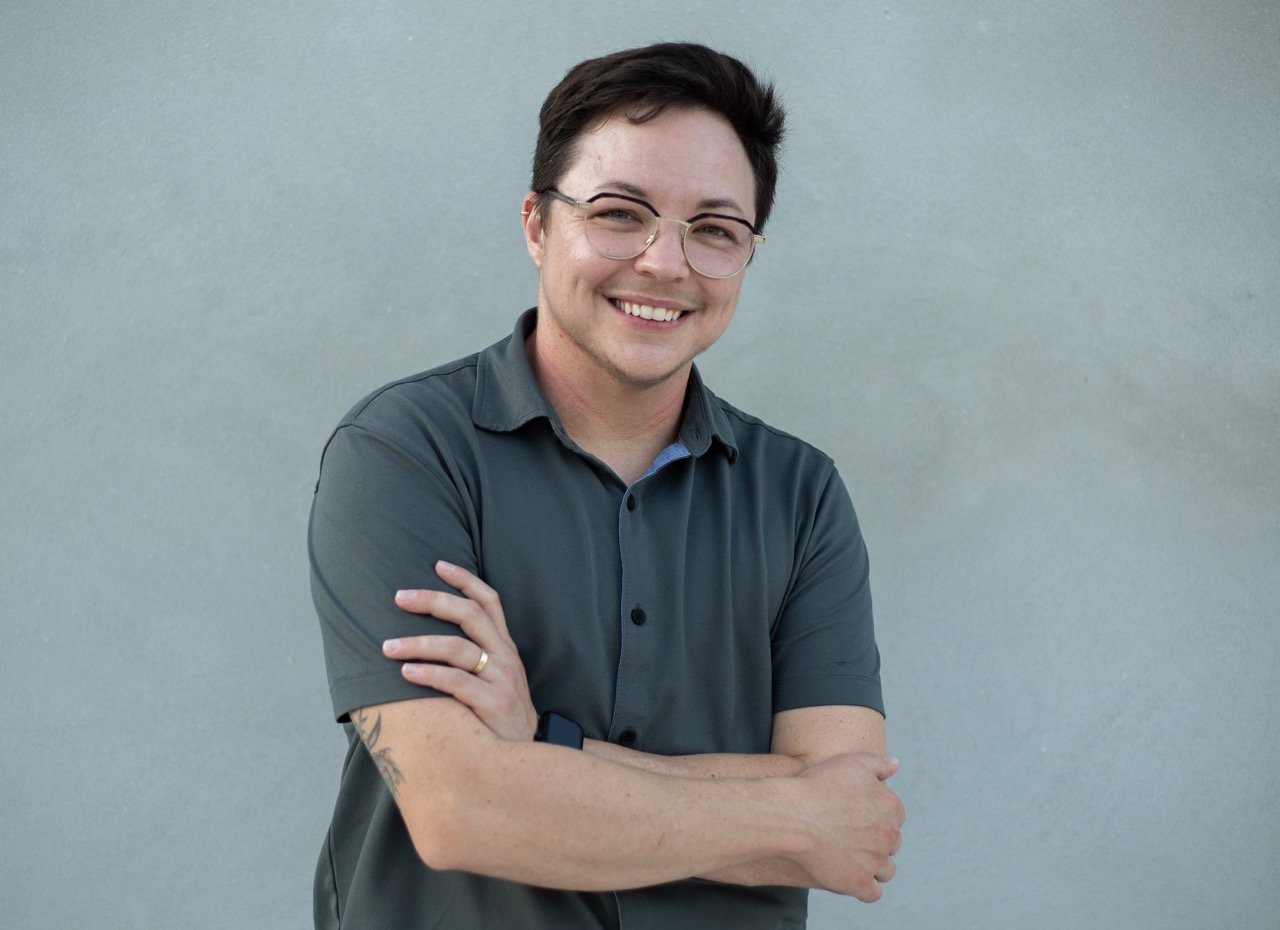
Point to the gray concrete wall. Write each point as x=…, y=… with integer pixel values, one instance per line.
x=1022, y=282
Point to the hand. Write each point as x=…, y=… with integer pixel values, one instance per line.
x=857, y=824
x=496, y=690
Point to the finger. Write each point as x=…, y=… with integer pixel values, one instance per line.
x=417, y=600
x=495, y=705
x=487, y=699
x=426, y=601
x=464, y=612
x=461, y=684
x=456, y=651
x=886, y=872
x=474, y=589
x=869, y=894
x=883, y=767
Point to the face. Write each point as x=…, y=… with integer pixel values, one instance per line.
x=683, y=162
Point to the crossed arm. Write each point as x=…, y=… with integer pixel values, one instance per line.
x=477, y=794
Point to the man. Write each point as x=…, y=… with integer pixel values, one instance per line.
x=662, y=574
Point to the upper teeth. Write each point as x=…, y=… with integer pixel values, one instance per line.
x=645, y=312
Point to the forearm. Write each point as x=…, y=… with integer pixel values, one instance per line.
x=548, y=816
x=478, y=796
x=709, y=765
x=771, y=871
x=791, y=754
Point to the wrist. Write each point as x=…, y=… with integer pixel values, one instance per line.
x=558, y=730
x=790, y=834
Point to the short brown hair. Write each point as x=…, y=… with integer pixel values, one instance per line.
x=647, y=81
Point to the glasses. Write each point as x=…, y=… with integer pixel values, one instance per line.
x=621, y=227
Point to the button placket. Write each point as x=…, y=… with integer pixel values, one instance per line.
x=635, y=664
x=637, y=680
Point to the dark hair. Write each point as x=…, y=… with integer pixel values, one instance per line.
x=643, y=82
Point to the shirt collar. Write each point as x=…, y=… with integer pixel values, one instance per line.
x=507, y=396
x=705, y=420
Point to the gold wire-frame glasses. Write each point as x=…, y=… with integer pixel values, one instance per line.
x=721, y=246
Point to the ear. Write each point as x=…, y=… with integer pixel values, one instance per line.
x=534, y=232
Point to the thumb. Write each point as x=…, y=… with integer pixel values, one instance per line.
x=882, y=766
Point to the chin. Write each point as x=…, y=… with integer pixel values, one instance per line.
x=645, y=376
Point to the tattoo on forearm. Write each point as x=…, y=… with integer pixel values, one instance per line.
x=369, y=734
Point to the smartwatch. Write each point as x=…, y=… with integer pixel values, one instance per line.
x=558, y=730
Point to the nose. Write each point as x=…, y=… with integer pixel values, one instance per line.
x=664, y=258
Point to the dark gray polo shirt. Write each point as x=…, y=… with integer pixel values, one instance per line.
x=674, y=616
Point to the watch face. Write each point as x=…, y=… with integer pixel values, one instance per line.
x=558, y=730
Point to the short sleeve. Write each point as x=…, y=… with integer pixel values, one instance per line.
x=382, y=515
x=824, y=647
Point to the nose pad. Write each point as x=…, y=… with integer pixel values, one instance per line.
x=665, y=254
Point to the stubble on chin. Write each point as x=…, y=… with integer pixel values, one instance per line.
x=597, y=355
x=624, y=377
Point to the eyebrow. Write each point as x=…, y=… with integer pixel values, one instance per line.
x=710, y=203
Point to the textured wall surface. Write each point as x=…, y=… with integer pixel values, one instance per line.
x=1022, y=282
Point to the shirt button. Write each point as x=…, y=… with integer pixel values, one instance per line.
x=637, y=616
x=627, y=737
x=631, y=502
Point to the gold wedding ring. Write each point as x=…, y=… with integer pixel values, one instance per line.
x=484, y=660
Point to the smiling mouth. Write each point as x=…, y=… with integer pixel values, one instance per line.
x=645, y=312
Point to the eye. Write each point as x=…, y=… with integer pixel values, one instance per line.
x=617, y=214
x=719, y=232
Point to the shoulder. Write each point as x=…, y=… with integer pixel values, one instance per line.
x=789, y=481
x=761, y=444
x=427, y=392
x=492, y=389
x=418, y=421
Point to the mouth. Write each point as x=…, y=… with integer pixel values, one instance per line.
x=646, y=312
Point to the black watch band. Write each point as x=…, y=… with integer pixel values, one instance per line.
x=558, y=730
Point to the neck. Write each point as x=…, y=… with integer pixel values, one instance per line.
x=624, y=425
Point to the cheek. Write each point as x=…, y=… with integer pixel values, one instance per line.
x=569, y=257
x=568, y=239
x=584, y=274
x=725, y=296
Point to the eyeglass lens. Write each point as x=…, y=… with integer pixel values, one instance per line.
x=716, y=246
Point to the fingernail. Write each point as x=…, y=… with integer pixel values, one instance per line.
x=391, y=646
x=445, y=566
x=404, y=596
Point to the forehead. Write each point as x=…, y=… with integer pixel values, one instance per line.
x=680, y=157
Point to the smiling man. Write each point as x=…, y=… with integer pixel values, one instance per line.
x=602, y=642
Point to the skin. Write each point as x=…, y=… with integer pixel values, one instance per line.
x=499, y=697
x=475, y=792
x=617, y=381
